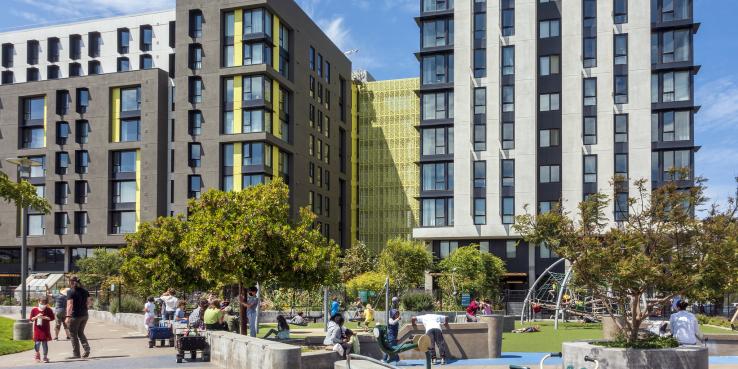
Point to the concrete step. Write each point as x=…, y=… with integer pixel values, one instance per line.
x=358, y=364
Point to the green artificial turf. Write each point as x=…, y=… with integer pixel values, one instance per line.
x=548, y=339
x=7, y=345
x=715, y=330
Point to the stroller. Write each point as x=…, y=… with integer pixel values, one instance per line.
x=190, y=339
x=162, y=332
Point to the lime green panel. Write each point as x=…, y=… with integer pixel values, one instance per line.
x=115, y=116
x=388, y=149
x=238, y=37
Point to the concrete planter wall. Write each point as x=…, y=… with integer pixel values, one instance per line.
x=684, y=357
x=234, y=351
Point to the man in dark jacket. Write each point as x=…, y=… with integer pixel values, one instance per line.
x=78, y=300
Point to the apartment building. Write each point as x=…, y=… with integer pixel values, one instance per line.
x=388, y=151
x=260, y=93
x=530, y=104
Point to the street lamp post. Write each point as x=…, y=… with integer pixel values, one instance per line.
x=22, y=327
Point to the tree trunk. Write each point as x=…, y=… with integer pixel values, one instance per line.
x=635, y=319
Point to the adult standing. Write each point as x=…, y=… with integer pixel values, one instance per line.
x=251, y=303
x=432, y=324
x=60, y=312
x=335, y=306
x=684, y=325
x=78, y=300
x=149, y=312
x=392, y=332
x=170, y=302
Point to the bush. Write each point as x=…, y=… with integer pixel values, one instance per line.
x=719, y=321
x=129, y=304
x=651, y=342
x=417, y=301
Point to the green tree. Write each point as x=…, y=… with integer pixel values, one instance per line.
x=22, y=194
x=357, y=259
x=155, y=260
x=247, y=236
x=369, y=281
x=469, y=270
x=100, y=271
x=405, y=262
x=659, y=247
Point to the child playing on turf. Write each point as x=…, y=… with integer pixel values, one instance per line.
x=41, y=317
x=368, y=316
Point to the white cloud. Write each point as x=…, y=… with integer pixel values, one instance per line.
x=719, y=100
x=53, y=10
x=337, y=32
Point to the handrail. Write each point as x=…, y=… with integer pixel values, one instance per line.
x=361, y=357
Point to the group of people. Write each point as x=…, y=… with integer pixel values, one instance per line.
x=70, y=312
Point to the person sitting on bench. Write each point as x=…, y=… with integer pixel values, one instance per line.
x=299, y=319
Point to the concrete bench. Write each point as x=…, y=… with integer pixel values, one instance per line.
x=234, y=351
x=357, y=364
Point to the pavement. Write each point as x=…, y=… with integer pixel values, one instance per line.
x=112, y=347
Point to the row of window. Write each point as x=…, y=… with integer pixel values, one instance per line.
x=94, y=67
x=446, y=248
x=123, y=162
x=319, y=149
x=320, y=66
x=319, y=176
x=122, y=222
x=319, y=204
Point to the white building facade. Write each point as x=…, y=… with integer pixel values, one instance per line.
x=527, y=104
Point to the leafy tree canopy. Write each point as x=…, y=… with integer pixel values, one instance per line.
x=473, y=271
x=357, y=259
x=405, y=262
x=22, y=194
x=101, y=269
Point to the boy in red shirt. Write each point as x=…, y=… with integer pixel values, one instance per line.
x=41, y=317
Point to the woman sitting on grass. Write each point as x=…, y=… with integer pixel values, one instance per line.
x=283, y=329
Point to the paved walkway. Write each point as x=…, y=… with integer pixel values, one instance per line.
x=112, y=346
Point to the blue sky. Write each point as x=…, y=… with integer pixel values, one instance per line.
x=385, y=35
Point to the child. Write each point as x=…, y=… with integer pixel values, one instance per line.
x=179, y=314
x=283, y=329
x=353, y=340
x=41, y=318
x=368, y=316
x=149, y=312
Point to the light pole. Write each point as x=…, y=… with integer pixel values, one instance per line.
x=22, y=327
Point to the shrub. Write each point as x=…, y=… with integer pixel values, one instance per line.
x=129, y=304
x=719, y=321
x=417, y=301
x=651, y=342
x=369, y=281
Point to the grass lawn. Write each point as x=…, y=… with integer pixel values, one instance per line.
x=7, y=345
x=716, y=330
x=548, y=339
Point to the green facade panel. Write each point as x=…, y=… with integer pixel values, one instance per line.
x=388, y=153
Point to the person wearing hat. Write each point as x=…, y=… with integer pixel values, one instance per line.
x=60, y=312
x=78, y=299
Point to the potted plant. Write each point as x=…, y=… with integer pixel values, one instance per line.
x=652, y=244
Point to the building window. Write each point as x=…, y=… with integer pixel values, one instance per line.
x=508, y=135
x=124, y=40
x=620, y=11
x=81, y=190
x=32, y=52
x=33, y=137
x=590, y=168
x=229, y=24
x=508, y=210
x=83, y=100
x=621, y=128
x=672, y=10
x=548, y=138
x=621, y=49
x=438, y=105
x=82, y=161
x=82, y=132
x=447, y=248
x=52, y=49
x=196, y=88
x=621, y=167
x=52, y=72
x=123, y=64
x=81, y=221
x=32, y=74
x=62, y=162
x=548, y=65
x=147, y=35
x=124, y=222
x=438, y=176
x=194, y=186
x=257, y=21
x=671, y=46
x=94, y=67
x=61, y=223
x=320, y=65
x=61, y=193
x=75, y=47
x=195, y=122
x=480, y=63
x=195, y=155
x=195, y=56
x=675, y=86
x=7, y=57
x=438, y=69
x=437, y=212
x=437, y=141
x=75, y=69
x=549, y=174
x=507, y=167
x=677, y=165
x=38, y=171
x=327, y=74
x=676, y=126
x=549, y=28
x=145, y=61
x=36, y=225
x=480, y=26
x=480, y=174
x=480, y=137
x=196, y=23
x=621, y=207
x=257, y=53
x=508, y=17
x=257, y=153
x=508, y=98
x=590, y=91
x=589, y=131
x=62, y=133
x=312, y=58
x=124, y=192
x=95, y=42
x=437, y=5
x=508, y=60
x=124, y=161
x=545, y=207
x=549, y=102
x=621, y=89
x=480, y=210
x=130, y=130
x=511, y=248
x=284, y=46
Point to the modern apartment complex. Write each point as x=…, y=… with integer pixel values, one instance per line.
x=529, y=104
x=260, y=93
x=388, y=151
